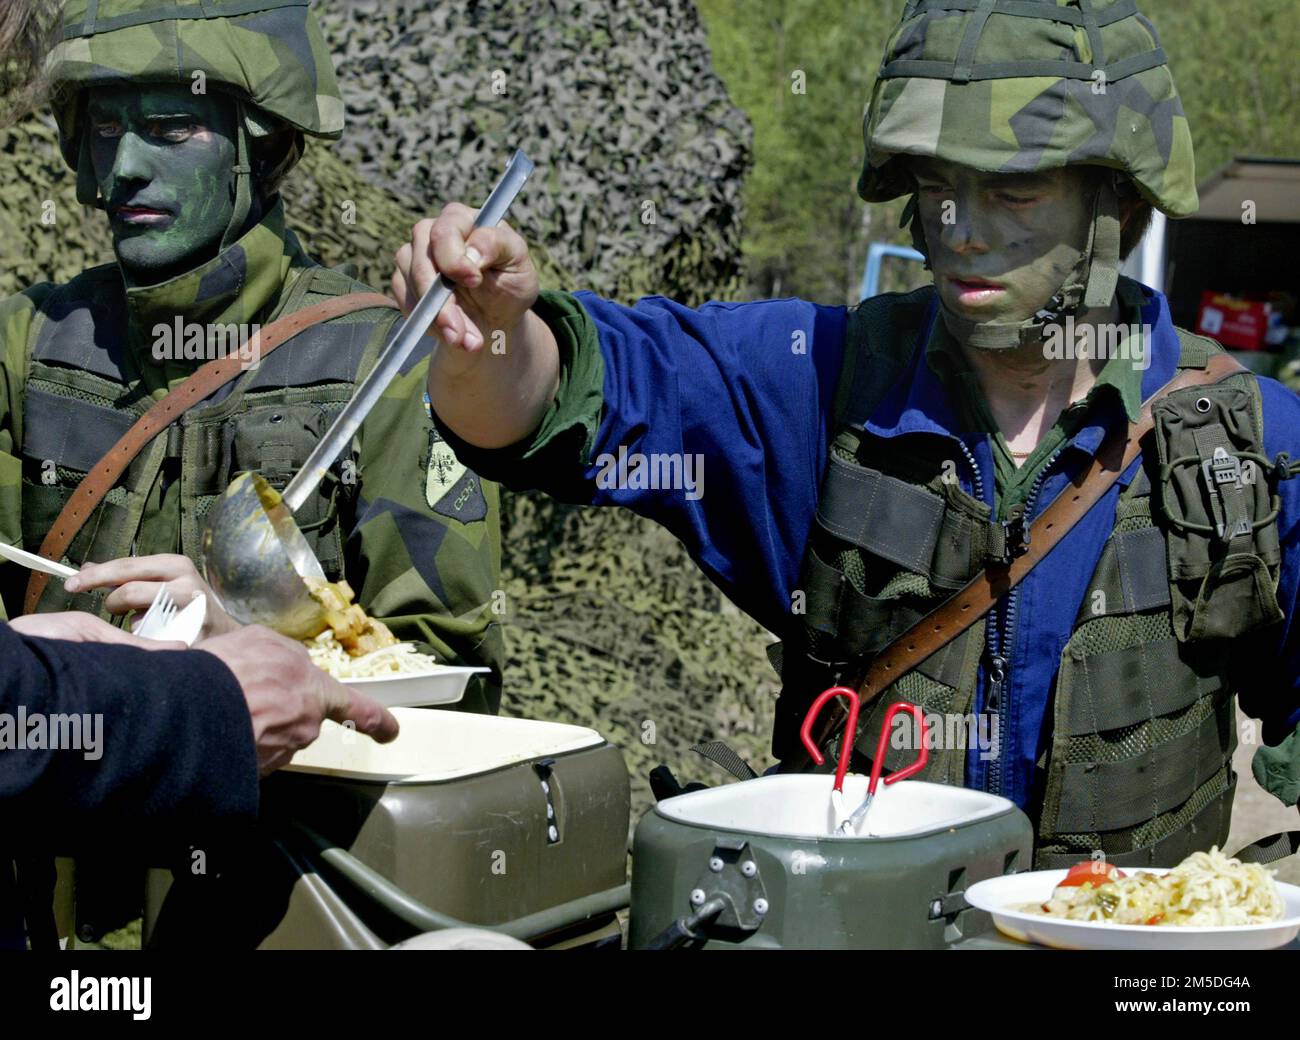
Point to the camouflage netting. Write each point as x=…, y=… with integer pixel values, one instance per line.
x=617, y=103
x=609, y=623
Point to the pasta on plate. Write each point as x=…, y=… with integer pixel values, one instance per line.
x=328, y=654
x=1207, y=889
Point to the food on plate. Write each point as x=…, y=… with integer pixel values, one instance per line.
x=356, y=632
x=355, y=645
x=329, y=654
x=1205, y=889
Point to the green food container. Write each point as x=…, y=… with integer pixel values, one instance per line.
x=463, y=820
x=758, y=858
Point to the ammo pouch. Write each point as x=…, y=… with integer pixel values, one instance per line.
x=1217, y=495
x=275, y=440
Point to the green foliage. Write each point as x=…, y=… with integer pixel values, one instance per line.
x=1235, y=66
x=802, y=70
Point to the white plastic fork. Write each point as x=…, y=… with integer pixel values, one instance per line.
x=156, y=618
x=187, y=624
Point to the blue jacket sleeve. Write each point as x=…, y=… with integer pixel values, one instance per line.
x=712, y=421
x=1270, y=681
x=165, y=748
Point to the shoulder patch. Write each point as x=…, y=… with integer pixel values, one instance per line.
x=450, y=488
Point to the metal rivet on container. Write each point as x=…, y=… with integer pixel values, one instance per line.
x=760, y=906
x=749, y=868
x=550, y=812
x=697, y=897
x=715, y=864
x=936, y=908
x=546, y=788
x=1202, y=404
x=553, y=833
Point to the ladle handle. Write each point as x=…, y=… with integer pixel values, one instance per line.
x=398, y=348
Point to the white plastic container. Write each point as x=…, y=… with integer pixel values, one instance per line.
x=797, y=805
x=438, y=746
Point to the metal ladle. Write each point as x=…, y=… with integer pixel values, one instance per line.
x=254, y=556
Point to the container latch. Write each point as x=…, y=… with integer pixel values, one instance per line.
x=545, y=769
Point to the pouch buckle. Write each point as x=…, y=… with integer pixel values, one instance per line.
x=1223, y=471
x=1222, y=468
x=1223, y=464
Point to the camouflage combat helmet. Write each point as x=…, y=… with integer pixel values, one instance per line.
x=1015, y=86
x=269, y=55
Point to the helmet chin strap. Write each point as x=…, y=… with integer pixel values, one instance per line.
x=243, y=170
x=1090, y=283
x=87, y=185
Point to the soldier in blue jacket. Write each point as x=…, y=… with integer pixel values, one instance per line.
x=839, y=473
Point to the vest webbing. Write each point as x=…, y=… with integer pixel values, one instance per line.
x=194, y=390
x=1120, y=449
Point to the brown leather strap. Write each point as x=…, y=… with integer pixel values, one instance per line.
x=954, y=615
x=198, y=387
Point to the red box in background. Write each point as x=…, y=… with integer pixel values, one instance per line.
x=1234, y=322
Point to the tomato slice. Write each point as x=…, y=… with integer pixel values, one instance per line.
x=1090, y=872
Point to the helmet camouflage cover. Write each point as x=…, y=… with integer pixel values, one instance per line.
x=1016, y=86
x=268, y=53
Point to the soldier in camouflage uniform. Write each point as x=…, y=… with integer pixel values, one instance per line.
x=180, y=119
x=865, y=463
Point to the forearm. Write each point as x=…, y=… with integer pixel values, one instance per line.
x=501, y=400
x=165, y=741
x=717, y=400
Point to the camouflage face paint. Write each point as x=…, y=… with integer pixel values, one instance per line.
x=1001, y=245
x=163, y=158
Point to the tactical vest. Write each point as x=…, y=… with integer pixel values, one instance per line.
x=82, y=393
x=1138, y=762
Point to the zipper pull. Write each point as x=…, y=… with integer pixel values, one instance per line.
x=997, y=682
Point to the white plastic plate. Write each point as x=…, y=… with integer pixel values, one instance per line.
x=445, y=685
x=998, y=895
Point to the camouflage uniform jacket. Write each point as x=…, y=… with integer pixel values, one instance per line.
x=415, y=533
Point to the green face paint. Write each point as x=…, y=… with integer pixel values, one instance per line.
x=1001, y=245
x=163, y=158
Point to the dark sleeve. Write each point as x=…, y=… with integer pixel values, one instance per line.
x=163, y=744
x=711, y=421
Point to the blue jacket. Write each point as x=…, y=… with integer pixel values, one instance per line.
x=748, y=388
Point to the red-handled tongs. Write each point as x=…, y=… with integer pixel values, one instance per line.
x=847, y=823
